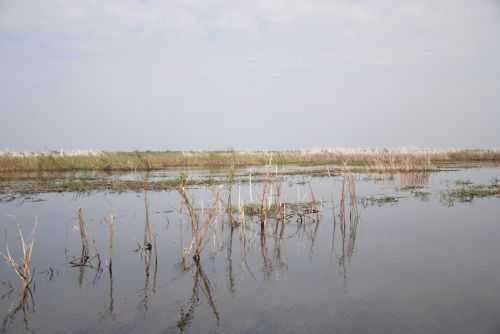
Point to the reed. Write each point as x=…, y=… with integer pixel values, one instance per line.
x=349, y=220
x=88, y=257
x=399, y=159
x=22, y=267
x=199, y=231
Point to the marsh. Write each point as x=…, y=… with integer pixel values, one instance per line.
x=345, y=253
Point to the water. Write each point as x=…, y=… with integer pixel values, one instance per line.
x=417, y=265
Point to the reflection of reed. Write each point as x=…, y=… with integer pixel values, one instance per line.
x=110, y=222
x=200, y=282
x=263, y=228
x=278, y=243
x=149, y=254
x=349, y=219
x=266, y=263
x=24, y=306
x=414, y=179
x=230, y=261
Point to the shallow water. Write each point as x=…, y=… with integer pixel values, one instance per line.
x=417, y=264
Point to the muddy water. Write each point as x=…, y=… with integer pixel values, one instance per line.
x=414, y=264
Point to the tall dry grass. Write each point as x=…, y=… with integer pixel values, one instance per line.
x=401, y=159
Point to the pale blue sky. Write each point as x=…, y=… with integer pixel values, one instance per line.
x=214, y=74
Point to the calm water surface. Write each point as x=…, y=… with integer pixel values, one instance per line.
x=415, y=265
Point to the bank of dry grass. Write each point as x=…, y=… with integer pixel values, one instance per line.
x=375, y=160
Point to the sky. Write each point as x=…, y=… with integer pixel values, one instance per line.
x=262, y=74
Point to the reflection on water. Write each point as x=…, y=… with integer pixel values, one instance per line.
x=200, y=280
x=349, y=219
x=285, y=255
x=148, y=252
x=414, y=179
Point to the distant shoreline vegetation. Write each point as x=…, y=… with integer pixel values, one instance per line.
x=382, y=160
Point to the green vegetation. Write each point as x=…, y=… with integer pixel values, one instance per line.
x=148, y=160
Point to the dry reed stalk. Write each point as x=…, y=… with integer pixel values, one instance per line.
x=188, y=204
x=148, y=233
x=83, y=237
x=110, y=222
x=198, y=233
x=22, y=267
x=278, y=202
x=199, y=237
x=85, y=259
x=263, y=210
x=250, y=185
x=230, y=180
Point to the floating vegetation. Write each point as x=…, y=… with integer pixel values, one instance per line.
x=466, y=191
x=463, y=182
x=423, y=196
x=411, y=188
x=379, y=200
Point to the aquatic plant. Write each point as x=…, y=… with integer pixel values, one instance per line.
x=466, y=191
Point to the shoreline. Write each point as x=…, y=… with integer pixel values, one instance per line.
x=383, y=160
